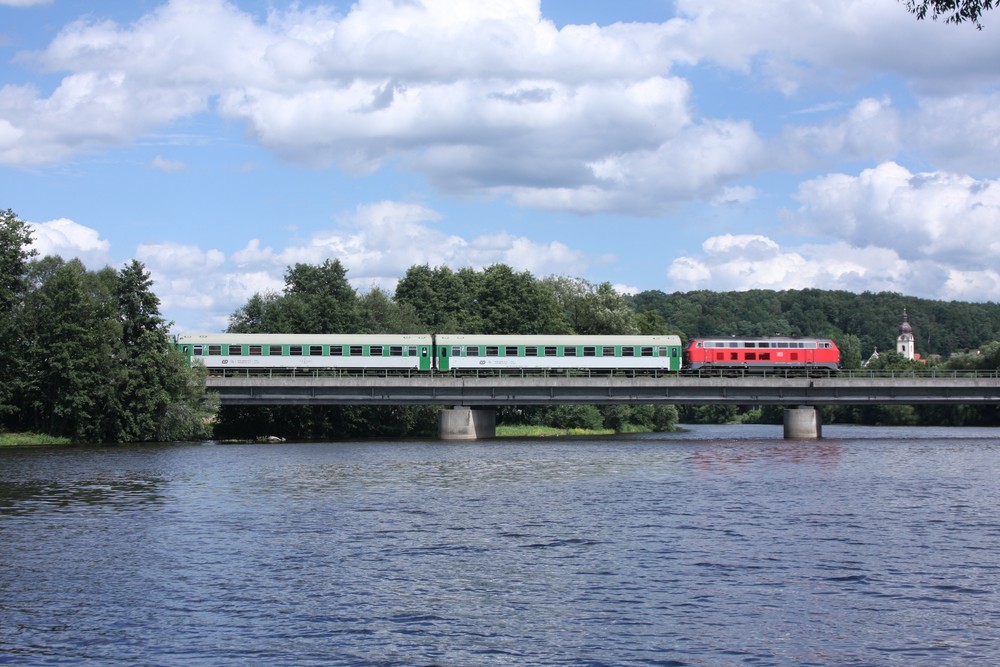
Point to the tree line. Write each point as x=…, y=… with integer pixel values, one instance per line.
x=86, y=354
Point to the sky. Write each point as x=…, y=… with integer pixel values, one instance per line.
x=666, y=145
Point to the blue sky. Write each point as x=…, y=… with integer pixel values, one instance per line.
x=671, y=145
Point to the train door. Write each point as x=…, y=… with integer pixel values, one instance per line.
x=425, y=357
x=442, y=359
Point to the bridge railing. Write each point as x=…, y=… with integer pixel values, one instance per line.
x=859, y=374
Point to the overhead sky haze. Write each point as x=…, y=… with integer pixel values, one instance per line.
x=652, y=144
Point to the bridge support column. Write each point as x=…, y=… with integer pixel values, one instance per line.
x=803, y=423
x=462, y=423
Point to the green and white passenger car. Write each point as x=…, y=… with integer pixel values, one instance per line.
x=411, y=352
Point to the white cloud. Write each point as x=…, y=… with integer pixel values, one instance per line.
x=69, y=239
x=376, y=243
x=163, y=164
x=938, y=216
x=755, y=262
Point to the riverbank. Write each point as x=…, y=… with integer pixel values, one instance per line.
x=31, y=439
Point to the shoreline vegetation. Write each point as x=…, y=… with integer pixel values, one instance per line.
x=32, y=440
x=513, y=431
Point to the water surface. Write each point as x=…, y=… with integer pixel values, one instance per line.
x=718, y=546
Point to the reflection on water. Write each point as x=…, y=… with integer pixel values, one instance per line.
x=717, y=546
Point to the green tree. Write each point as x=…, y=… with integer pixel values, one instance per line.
x=953, y=11
x=15, y=253
x=379, y=313
x=592, y=309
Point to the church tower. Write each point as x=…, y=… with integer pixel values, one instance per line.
x=904, y=342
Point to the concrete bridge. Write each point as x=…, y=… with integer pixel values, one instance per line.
x=474, y=397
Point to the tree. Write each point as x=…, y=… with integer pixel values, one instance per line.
x=953, y=11
x=15, y=252
x=593, y=309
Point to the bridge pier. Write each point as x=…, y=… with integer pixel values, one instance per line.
x=803, y=423
x=462, y=423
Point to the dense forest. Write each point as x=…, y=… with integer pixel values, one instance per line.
x=87, y=354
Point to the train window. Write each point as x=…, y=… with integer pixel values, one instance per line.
x=357, y=351
x=376, y=351
x=550, y=351
x=198, y=350
x=531, y=351
x=274, y=350
x=751, y=344
x=569, y=351
x=395, y=350
x=295, y=350
x=734, y=344
x=456, y=351
x=315, y=350
x=472, y=351
x=510, y=351
x=256, y=350
x=609, y=351
x=336, y=350
x=492, y=351
x=628, y=351
x=646, y=351
x=675, y=352
x=751, y=356
x=236, y=350
x=590, y=351
x=661, y=351
x=215, y=350
x=411, y=351
x=765, y=356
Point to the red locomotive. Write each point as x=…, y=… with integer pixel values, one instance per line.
x=761, y=355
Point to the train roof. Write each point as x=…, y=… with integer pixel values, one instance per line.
x=303, y=339
x=790, y=339
x=542, y=339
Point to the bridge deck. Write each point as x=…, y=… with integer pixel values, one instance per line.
x=750, y=390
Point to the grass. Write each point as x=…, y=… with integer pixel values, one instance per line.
x=31, y=440
x=526, y=431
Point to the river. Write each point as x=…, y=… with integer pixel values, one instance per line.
x=722, y=545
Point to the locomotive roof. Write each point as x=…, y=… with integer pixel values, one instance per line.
x=797, y=339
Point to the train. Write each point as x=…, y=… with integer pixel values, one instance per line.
x=474, y=354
